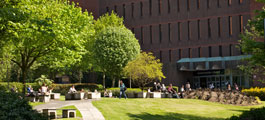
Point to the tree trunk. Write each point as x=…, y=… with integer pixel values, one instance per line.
x=130, y=81
x=18, y=75
x=113, y=82
x=104, y=76
x=24, y=76
x=79, y=76
x=119, y=85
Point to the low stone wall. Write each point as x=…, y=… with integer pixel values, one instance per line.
x=224, y=97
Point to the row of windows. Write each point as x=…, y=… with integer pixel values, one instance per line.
x=199, y=54
x=169, y=5
x=190, y=30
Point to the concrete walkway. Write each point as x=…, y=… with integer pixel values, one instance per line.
x=88, y=111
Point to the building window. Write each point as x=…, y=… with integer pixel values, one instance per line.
x=230, y=20
x=231, y=50
x=170, y=53
x=141, y=8
x=150, y=7
x=198, y=4
x=188, y=5
x=189, y=33
x=115, y=8
x=178, y=5
x=169, y=32
x=179, y=31
x=220, y=51
x=208, y=4
x=180, y=53
x=160, y=53
x=209, y=28
x=229, y=2
x=159, y=6
x=241, y=26
x=218, y=3
x=132, y=10
x=199, y=29
x=190, y=53
x=199, y=52
x=210, y=51
x=124, y=11
x=142, y=35
x=168, y=6
x=240, y=1
x=151, y=34
x=160, y=33
x=219, y=26
x=107, y=9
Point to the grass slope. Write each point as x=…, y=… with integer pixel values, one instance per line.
x=166, y=109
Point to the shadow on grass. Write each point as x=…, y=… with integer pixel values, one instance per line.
x=169, y=116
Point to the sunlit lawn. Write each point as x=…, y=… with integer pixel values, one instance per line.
x=166, y=109
x=35, y=103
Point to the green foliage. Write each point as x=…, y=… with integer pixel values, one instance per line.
x=116, y=91
x=252, y=42
x=114, y=47
x=64, y=88
x=259, y=92
x=44, y=80
x=144, y=70
x=253, y=114
x=13, y=106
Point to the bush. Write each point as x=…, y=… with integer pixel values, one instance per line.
x=260, y=92
x=13, y=106
x=57, y=88
x=253, y=114
x=43, y=80
x=116, y=91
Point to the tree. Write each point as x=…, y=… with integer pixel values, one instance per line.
x=46, y=31
x=252, y=42
x=114, y=47
x=104, y=21
x=144, y=70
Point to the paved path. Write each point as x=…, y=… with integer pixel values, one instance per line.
x=88, y=111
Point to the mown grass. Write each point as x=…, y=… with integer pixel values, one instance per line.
x=166, y=109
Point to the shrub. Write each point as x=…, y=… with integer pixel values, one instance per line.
x=13, y=106
x=44, y=80
x=253, y=114
x=116, y=91
x=260, y=92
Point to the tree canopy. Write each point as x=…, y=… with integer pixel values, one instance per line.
x=114, y=47
x=47, y=31
x=144, y=69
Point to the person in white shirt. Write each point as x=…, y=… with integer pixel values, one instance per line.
x=164, y=89
x=72, y=89
x=44, y=89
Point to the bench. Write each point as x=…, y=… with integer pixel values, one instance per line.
x=50, y=112
x=55, y=96
x=155, y=94
x=74, y=96
x=93, y=95
x=44, y=98
x=67, y=113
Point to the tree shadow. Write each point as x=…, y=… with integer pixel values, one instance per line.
x=169, y=116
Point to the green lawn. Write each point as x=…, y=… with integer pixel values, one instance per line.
x=35, y=103
x=78, y=114
x=166, y=109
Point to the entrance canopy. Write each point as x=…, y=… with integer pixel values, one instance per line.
x=209, y=63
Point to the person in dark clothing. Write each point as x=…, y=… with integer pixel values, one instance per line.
x=122, y=90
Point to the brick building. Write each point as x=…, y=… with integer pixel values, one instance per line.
x=195, y=39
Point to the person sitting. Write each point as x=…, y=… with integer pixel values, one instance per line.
x=44, y=89
x=182, y=90
x=110, y=93
x=170, y=89
x=188, y=86
x=72, y=89
x=159, y=87
x=164, y=89
x=14, y=89
x=211, y=86
x=30, y=91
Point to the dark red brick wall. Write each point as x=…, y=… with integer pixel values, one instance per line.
x=167, y=48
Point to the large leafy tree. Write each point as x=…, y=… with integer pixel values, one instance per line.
x=50, y=32
x=114, y=47
x=252, y=42
x=144, y=70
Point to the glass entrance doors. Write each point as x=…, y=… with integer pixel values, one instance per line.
x=219, y=81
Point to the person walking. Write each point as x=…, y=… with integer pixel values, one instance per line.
x=122, y=89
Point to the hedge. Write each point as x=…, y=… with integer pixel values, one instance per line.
x=57, y=88
x=260, y=92
x=253, y=114
x=14, y=107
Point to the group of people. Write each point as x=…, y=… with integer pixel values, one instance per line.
x=43, y=90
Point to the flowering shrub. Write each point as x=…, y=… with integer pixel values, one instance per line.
x=260, y=92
